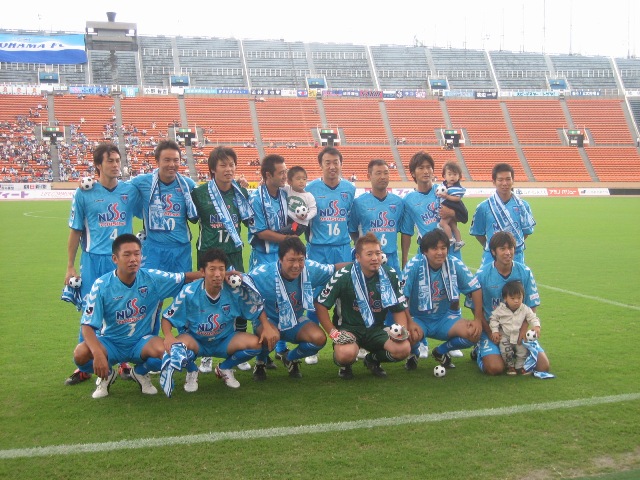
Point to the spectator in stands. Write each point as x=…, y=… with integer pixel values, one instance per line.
x=504, y=211
x=452, y=210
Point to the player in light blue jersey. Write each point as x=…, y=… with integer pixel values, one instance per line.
x=289, y=287
x=503, y=211
x=329, y=240
x=378, y=212
x=98, y=216
x=118, y=318
x=166, y=208
x=432, y=283
x=269, y=203
x=492, y=277
x=204, y=313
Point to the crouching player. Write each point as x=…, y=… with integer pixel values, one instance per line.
x=367, y=290
x=204, y=314
x=118, y=318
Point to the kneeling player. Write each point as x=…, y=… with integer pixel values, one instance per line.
x=367, y=290
x=204, y=313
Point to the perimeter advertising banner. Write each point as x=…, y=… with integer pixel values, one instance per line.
x=53, y=49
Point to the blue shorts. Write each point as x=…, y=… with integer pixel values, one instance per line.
x=118, y=352
x=92, y=267
x=217, y=347
x=174, y=259
x=329, y=254
x=290, y=334
x=258, y=258
x=439, y=329
x=394, y=262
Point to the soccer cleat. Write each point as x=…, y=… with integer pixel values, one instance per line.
x=311, y=360
x=423, y=351
x=458, y=245
x=244, y=366
x=270, y=364
x=191, y=382
x=522, y=371
x=102, y=389
x=374, y=367
x=77, y=377
x=346, y=372
x=362, y=353
x=443, y=359
x=228, y=377
x=293, y=366
x=411, y=363
x=474, y=353
x=456, y=353
x=205, y=365
x=260, y=372
x=281, y=355
x=124, y=371
x=144, y=381
x=511, y=371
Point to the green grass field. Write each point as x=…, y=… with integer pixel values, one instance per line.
x=585, y=254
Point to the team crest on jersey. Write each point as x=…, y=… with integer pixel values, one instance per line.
x=345, y=196
x=226, y=309
x=143, y=291
x=89, y=311
x=125, y=198
x=392, y=208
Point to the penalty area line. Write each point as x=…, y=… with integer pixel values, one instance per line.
x=56, y=450
x=591, y=297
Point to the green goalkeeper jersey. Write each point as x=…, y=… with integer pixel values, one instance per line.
x=340, y=287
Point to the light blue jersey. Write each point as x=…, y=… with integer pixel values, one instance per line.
x=466, y=283
x=421, y=210
x=102, y=215
x=485, y=224
x=492, y=282
x=264, y=278
x=380, y=217
x=126, y=313
x=330, y=225
x=174, y=210
x=270, y=213
x=194, y=312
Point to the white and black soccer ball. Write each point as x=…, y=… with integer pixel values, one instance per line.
x=383, y=260
x=441, y=190
x=439, y=371
x=531, y=335
x=87, y=183
x=75, y=282
x=234, y=281
x=142, y=235
x=301, y=212
x=395, y=330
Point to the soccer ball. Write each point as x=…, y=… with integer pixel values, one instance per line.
x=75, y=282
x=531, y=335
x=395, y=330
x=142, y=235
x=384, y=258
x=301, y=212
x=439, y=371
x=87, y=183
x=441, y=190
x=234, y=281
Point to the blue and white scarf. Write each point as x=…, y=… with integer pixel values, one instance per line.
x=532, y=359
x=72, y=295
x=177, y=359
x=387, y=295
x=275, y=220
x=244, y=209
x=250, y=294
x=286, y=314
x=504, y=220
x=449, y=278
x=156, y=199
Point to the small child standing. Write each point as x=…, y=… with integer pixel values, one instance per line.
x=505, y=323
x=301, y=205
x=452, y=210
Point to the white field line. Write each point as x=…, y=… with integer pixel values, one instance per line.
x=31, y=214
x=591, y=297
x=55, y=450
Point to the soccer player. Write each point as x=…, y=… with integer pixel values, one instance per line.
x=433, y=281
x=288, y=287
x=269, y=203
x=378, y=212
x=329, y=240
x=223, y=206
x=118, y=318
x=503, y=211
x=368, y=290
x=205, y=312
x=492, y=277
x=97, y=217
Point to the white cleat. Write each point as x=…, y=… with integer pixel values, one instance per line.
x=456, y=353
x=145, y=383
x=362, y=353
x=205, y=365
x=423, y=351
x=245, y=366
x=227, y=376
x=102, y=389
x=311, y=360
x=191, y=382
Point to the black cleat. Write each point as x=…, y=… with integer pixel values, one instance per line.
x=77, y=377
x=443, y=359
x=346, y=373
x=259, y=372
x=411, y=363
x=270, y=364
x=474, y=353
x=293, y=366
x=374, y=367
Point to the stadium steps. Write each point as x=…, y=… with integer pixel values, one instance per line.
x=516, y=142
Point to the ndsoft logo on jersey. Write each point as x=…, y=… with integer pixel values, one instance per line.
x=430, y=215
x=215, y=220
x=382, y=223
x=170, y=208
x=112, y=217
x=131, y=313
x=333, y=212
x=211, y=327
